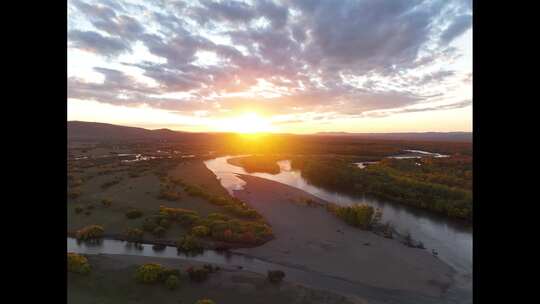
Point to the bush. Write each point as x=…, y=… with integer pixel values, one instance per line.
x=174, y=214
x=197, y=274
x=106, y=202
x=211, y=268
x=133, y=214
x=218, y=216
x=219, y=200
x=188, y=243
x=149, y=225
x=109, y=184
x=159, y=231
x=168, y=194
x=90, y=232
x=134, y=234
x=165, y=223
x=358, y=215
x=149, y=273
x=78, y=209
x=188, y=220
x=275, y=276
x=193, y=190
x=205, y=301
x=74, y=193
x=200, y=231
x=78, y=263
x=172, y=282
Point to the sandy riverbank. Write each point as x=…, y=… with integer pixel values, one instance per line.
x=309, y=238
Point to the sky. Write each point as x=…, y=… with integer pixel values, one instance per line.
x=301, y=66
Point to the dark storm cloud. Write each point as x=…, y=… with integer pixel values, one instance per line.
x=307, y=52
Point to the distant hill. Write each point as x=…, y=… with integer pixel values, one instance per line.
x=413, y=136
x=94, y=131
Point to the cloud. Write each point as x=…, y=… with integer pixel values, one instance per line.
x=97, y=43
x=459, y=25
x=456, y=105
x=345, y=57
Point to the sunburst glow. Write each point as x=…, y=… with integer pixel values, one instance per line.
x=249, y=122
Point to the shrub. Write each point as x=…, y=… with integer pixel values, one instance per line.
x=109, y=184
x=193, y=190
x=90, y=232
x=188, y=220
x=248, y=237
x=172, y=282
x=106, y=202
x=357, y=215
x=218, y=216
x=78, y=263
x=149, y=224
x=200, y=231
x=169, y=272
x=228, y=235
x=78, y=209
x=168, y=194
x=159, y=231
x=205, y=301
x=219, y=200
x=134, y=234
x=165, y=223
x=189, y=243
x=197, y=274
x=211, y=268
x=149, y=273
x=74, y=193
x=242, y=211
x=174, y=214
x=133, y=214
x=275, y=276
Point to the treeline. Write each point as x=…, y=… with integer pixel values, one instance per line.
x=257, y=163
x=442, y=185
x=312, y=144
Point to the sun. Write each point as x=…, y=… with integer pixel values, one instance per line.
x=248, y=123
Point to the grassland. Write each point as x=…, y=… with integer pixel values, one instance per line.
x=111, y=280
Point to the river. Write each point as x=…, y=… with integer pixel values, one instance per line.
x=452, y=239
x=309, y=278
